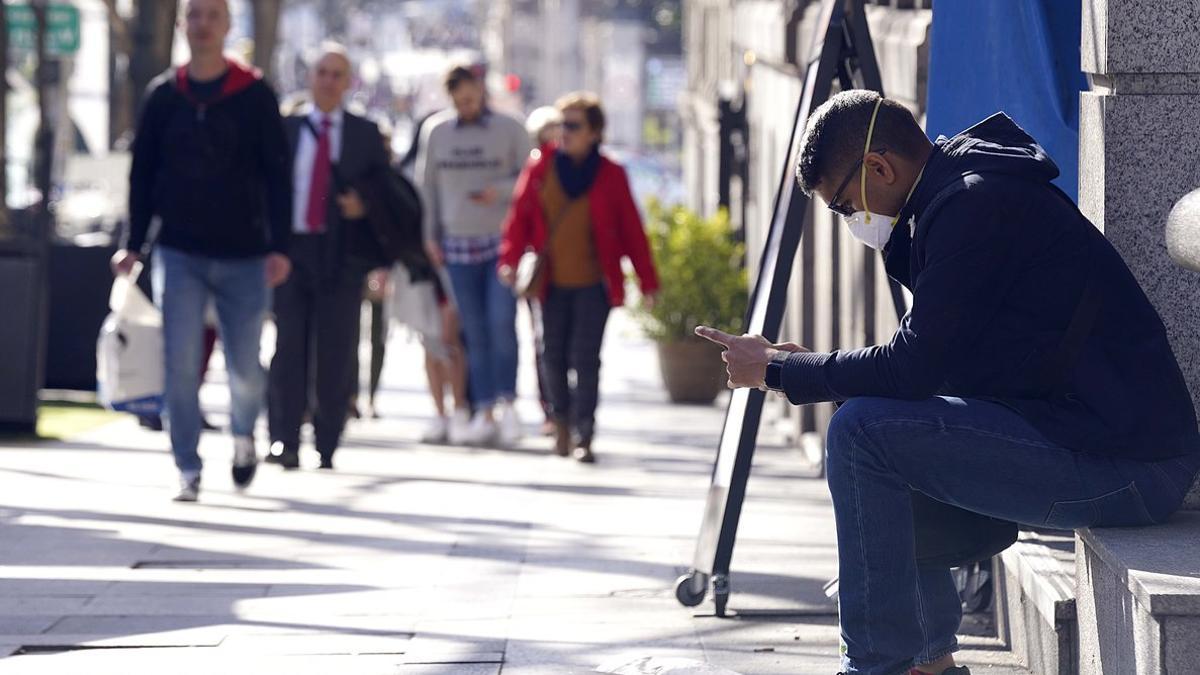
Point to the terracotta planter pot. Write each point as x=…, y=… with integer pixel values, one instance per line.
x=692, y=370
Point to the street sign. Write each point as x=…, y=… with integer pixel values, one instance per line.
x=62, y=28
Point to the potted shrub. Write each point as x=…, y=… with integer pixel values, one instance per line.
x=703, y=282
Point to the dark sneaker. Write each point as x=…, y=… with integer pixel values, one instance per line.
x=245, y=461
x=327, y=462
x=189, y=489
x=583, y=454
x=287, y=456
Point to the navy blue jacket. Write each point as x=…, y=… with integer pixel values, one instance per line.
x=997, y=260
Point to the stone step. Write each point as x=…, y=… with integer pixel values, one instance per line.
x=1139, y=598
x=1035, y=601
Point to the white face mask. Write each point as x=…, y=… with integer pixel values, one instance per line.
x=872, y=229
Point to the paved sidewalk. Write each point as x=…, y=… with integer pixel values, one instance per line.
x=411, y=558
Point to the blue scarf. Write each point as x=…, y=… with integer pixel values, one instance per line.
x=577, y=179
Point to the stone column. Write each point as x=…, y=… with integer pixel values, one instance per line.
x=1139, y=147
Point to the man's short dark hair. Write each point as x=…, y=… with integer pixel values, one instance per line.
x=461, y=73
x=837, y=132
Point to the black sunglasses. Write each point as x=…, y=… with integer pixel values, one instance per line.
x=835, y=204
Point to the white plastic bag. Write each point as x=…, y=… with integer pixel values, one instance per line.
x=415, y=306
x=129, y=351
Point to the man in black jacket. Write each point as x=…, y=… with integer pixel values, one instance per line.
x=317, y=310
x=1032, y=380
x=210, y=162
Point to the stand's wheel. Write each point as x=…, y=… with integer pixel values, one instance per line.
x=688, y=591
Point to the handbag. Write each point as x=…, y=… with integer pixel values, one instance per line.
x=531, y=268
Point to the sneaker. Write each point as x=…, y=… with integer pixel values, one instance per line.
x=583, y=450
x=459, y=427
x=481, y=431
x=245, y=461
x=510, y=423
x=189, y=488
x=583, y=454
x=438, y=431
x=285, y=455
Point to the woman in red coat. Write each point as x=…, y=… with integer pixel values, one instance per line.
x=575, y=204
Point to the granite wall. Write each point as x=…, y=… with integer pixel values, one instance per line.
x=1140, y=147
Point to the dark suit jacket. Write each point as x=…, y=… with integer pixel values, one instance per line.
x=362, y=152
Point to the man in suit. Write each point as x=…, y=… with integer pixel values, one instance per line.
x=315, y=367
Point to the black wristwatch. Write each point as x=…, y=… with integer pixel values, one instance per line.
x=774, y=378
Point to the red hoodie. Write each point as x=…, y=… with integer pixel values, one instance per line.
x=617, y=230
x=238, y=76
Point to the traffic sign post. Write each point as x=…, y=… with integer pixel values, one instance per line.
x=62, y=28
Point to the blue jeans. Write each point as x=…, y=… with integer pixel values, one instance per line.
x=183, y=284
x=976, y=455
x=488, y=312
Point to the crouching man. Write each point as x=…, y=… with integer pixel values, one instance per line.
x=1032, y=380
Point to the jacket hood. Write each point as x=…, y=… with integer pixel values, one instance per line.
x=995, y=145
x=238, y=78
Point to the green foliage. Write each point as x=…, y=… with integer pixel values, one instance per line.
x=701, y=271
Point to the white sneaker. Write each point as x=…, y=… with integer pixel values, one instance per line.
x=460, y=425
x=437, y=432
x=189, y=488
x=510, y=423
x=482, y=431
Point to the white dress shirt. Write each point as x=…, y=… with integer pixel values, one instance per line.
x=306, y=154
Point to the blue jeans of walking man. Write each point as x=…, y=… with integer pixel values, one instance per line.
x=183, y=284
x=977, y=455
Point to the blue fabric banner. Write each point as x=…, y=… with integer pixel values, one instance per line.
x=1019, y=56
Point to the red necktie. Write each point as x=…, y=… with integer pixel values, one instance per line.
x=318, y=191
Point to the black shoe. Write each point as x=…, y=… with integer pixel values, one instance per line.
x=245, y=462
x=285, y=455
x=327, y=462
x=151, y=422
x=583, y=453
